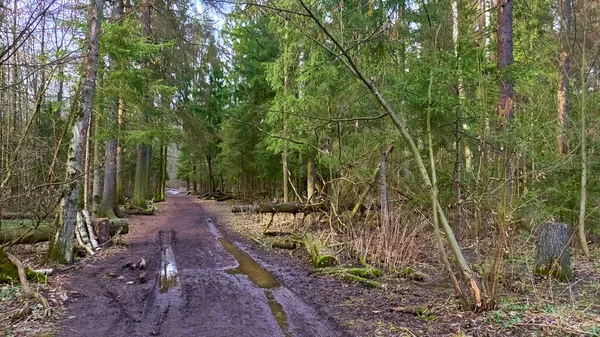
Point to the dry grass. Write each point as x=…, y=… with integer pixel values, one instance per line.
x=392, y=245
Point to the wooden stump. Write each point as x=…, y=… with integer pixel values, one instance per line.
x=102, y=229
x=553, y=254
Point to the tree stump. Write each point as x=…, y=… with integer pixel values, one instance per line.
x=553, y=254
x=102, y=229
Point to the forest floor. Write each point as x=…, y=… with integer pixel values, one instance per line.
x=215, y=296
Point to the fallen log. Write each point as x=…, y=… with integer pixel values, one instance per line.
x=30, y=234
x=16, y=216
x=287, y=207
x=284, y=244
x=244, y=209
x=139, y=211
x=320, y=254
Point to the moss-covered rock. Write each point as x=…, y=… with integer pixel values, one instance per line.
x=10, y=274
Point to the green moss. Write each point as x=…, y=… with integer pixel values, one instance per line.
x=365, y=282
x=554, y=270
x=10, y=274
x=367, y=273
x=411, y=273
x=325, y=261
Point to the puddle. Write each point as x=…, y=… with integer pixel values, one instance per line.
x=261, y=277
x=168, y=273
x=168, y=268
x=278, y=313
x=247, y=266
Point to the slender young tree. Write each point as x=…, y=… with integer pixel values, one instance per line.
x=564, y=67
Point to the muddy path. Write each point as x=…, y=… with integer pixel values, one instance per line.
x=197, y=282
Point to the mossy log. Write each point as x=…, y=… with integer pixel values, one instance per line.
x=139, y=211
x=320, y=254
x=368, y=273
x=9, y=273
x=553, y=254
x=29, y=234
x=363, y=276
x=17, y=216
x=284, y=244
x=286, y=207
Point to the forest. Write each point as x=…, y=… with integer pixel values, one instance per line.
x=395, y=141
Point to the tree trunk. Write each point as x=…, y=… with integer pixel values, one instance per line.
x=96, y=166
x=162, y=178
x=211, y=181
x=564, y=67
x=385, y=217
x=505, y=59
x=142, y=164
x=553, y=254
x=61, y=250
x=284, y=153
x=310, y=180
x=371, y=182
x=109, y=207
x=140, y=189
x=102, y=228
x=119, y=159
x=584, y=161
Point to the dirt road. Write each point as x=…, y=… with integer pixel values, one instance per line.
x=216, y=289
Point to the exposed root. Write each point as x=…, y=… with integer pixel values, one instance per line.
x=25, y=284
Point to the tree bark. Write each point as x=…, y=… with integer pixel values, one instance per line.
x=584, y=160
x=61, y=250
x=506, y=97
x=385, y=216
x=564, y=67
x=553, y=254
x=119, y=159
x=142, y=165
x=310, y=180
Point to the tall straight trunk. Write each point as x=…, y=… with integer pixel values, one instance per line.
x=96, y=167
x=86, y=167
x=506, y=97
x=584, y=164
x=142, y=164
x=119, y=159
x=211, y=180
x=385, y=216
x=140, y=189
x=458, y=156
x=310, y=180
x=15, y=73
x=564, y=67
x=284, y=153
x=162, y=178
x=61, y=250
x=108, y=207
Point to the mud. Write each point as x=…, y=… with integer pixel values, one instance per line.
x=214, y=287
